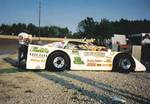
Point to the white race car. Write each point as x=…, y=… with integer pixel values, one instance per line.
x=75, y=55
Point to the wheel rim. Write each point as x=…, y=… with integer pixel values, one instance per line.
x=125, y=63
x=59, y=62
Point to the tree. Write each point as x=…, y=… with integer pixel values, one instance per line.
x=87, y=28
x=32, y=29
x=46, y=31
x=92, y=29
x=105, y=29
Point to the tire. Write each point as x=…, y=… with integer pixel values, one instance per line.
x=124, y=63
x=58, y=61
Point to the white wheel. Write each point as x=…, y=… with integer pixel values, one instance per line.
x=58, y=62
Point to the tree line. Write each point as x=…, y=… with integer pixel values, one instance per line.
x=45, y=31
x=87, y=28
x=104, y=29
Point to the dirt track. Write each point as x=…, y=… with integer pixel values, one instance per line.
x=70, y=87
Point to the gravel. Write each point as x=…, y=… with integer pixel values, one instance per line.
x=72, y=87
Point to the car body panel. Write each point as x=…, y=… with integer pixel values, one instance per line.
x=80, y=59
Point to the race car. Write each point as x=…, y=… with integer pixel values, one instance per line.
x=75, y=55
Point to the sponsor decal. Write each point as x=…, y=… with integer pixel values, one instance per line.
x=74, y=52
x=94, y=64
x=91, y=64
x=77, y=60
x=95, y=54
x=108, y=56
x=108, y=60
x=99, y=64
x=39, y=49
x=37, y=60
x=106, y=64
x=38, y=55
x=43, y=60
x=96, y=60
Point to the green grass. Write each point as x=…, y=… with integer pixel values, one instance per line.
x=9, y=70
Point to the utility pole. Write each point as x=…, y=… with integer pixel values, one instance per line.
x=39, y=18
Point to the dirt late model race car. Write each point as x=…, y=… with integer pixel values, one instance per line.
x=75, y=55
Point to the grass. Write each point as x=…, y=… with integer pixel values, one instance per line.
x=9, y=70
x=46, y=39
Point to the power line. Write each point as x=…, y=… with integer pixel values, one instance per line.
x=39, y=18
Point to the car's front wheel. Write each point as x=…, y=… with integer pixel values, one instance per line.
x=58, y=61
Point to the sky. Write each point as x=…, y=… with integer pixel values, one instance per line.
x=68, y=13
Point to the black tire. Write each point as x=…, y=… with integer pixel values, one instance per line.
x=58, y=61
x=124, y=63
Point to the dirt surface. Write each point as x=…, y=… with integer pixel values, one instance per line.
x=70, y=87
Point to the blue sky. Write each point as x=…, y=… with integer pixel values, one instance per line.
x=68, y=13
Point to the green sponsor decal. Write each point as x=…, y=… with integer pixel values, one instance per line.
x=39, y=49
x=74, y=52
x=77, y=60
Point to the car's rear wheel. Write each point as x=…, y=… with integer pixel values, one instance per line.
x=123, y=62
x=58, y=61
